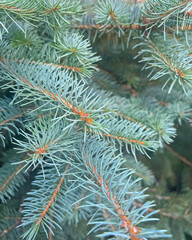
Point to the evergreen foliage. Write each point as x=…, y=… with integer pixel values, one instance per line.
x=82, y=130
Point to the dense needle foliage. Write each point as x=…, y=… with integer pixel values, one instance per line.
x=92, y=94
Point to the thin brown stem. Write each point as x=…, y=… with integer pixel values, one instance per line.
x=176, y=154
x=11, y=119
x=163, y=213
x=99, y=27
x=105, y=214
x=7, y=230
x=81, y=197
x=124, y=27
x=50, y=234
x=53, y=196
x=8, y=180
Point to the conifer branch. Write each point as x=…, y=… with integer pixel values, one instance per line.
x=46, y=64
x=53, y=196
x=83, y=116
x=125, y=222
x=11, y=119
x=140, y=170
x=16, y=10
x=139, y=27
x=175, y=12
x=175, y=67
x=95, y=117
x=45, y=142
x=80, y=199
x=48, y=213
x=129, y=118
x=11, y=179
x=106, y=215
x=124, y=139
x=6, y=231
x=7, y=181
x=74, y=69
x=9, y=220
x=169, y=64
x=161, y=212
x=100, y=27
x=113, y=203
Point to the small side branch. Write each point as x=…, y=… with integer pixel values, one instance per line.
x=8, y=180
x=5, y=231
x=100, y=27
x=176, y=154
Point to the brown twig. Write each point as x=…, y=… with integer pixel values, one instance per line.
x=11, y=119
x=165, y=60
x=176, y=154
x=50, y=234
x=7, y=181
x=105, y=214
x=8, y=229
x=5, y=231
x=125, y=221
x=124, y=27
x=100, y=27
x=163, y=213
x=81, y=197
x=53, y=196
